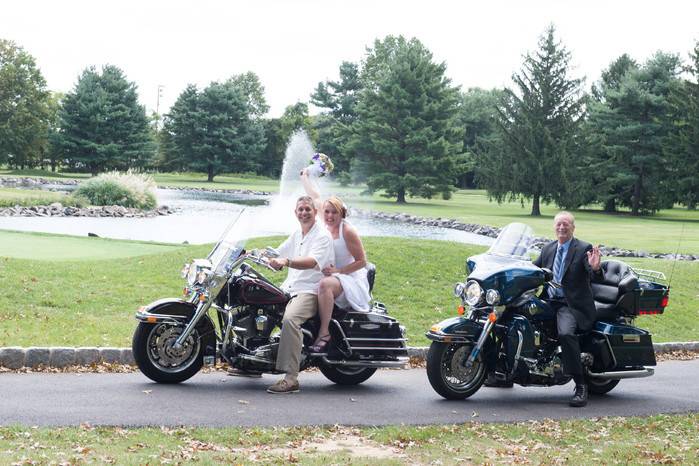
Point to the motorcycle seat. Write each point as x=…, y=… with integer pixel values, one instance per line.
x=338, y=312
x=614, y=291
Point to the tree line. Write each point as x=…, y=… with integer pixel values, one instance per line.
x=393, y=122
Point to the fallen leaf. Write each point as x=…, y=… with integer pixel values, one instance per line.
x=147, y=392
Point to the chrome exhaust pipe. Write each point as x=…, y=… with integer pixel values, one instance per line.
x=400, y=363
x=618, y=375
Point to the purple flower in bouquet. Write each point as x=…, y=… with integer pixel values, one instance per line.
x=321, y=165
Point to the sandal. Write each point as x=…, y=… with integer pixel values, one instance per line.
x=321, y=344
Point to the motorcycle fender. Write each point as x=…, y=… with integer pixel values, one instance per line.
x=179, y=310
x=455, y=330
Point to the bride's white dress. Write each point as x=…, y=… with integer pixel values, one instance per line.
x=355, y=287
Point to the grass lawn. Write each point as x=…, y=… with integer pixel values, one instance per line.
x=86, y=301
x=662, y=439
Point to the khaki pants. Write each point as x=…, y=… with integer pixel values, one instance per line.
x=301, y=308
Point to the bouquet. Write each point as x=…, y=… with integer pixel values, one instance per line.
x=321, y=165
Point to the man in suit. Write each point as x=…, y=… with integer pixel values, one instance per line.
x=574, y=263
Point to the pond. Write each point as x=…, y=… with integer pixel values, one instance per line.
x=202, y=216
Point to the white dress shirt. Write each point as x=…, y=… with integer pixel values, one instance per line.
x=318, y=244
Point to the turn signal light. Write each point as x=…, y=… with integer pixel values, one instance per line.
x=461, y=310
x=666, y=299
x=492, y=317
x=151, y=319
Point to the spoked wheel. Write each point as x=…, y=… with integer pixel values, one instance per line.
x=347, y=375
x=448, y=374
x=154, y=352
x=601, y=386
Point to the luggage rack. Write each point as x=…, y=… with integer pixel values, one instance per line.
x=649, y=275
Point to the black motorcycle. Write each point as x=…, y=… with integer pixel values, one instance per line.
x=175, y=337
x=508, y=332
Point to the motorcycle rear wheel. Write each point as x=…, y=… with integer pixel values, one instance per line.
x=599, y=386
x=347, y=375
x=447, y=374
x=158, y=360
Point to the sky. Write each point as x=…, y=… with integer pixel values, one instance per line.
x=293, y=45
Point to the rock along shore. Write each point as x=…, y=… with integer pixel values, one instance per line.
x=58, y=210
x=16, y=357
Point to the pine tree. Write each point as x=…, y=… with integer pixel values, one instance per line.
x=102, y=126
x=339, y=99
x=215, y=130
x=607, y=180
x=534, y=153
x=635, y=121
x=407, y=133
x=682, y=148
x=477, y=115
x=178, y=133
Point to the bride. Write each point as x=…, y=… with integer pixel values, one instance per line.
x=345, y=282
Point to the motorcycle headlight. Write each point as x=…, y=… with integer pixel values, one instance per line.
x=492, y=297
x=192, y=273
x=201, y=276
x=459, y=289
x=473, y=294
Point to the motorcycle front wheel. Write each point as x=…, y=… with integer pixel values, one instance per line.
x=156, y=357
x=448, y=374
x=347, y=375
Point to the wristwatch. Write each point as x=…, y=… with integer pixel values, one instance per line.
x=288, y=263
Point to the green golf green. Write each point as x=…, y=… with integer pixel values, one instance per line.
x=22, y=245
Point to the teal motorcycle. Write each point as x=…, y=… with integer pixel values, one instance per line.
x=506, y=332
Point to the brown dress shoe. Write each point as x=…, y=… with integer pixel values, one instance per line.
x=283, y=387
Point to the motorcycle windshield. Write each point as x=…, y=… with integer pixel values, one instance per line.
x=513, y=241
x=229, y=247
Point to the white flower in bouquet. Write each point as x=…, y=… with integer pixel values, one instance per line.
x=321, y=165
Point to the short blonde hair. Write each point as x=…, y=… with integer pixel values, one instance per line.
x=338, y=205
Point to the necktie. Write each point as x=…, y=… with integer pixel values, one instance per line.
x=558, y=271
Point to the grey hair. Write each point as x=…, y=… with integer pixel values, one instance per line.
x=567, y=214
x=307, y=199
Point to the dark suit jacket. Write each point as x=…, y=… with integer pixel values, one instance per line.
x=577, y=274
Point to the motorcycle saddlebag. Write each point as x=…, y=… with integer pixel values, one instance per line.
x=629, y=346
x=369, y=332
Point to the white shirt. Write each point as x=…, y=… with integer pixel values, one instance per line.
x=318, y=244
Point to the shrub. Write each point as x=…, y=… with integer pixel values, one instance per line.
x=125, y=189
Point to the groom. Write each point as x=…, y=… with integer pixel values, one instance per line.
x=305, y=253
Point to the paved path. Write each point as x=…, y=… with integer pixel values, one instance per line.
x=389, y=397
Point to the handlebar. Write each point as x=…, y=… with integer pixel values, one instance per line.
x=260, y=258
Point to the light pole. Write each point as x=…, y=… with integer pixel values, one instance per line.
x=157, y=106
